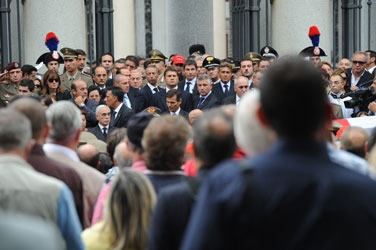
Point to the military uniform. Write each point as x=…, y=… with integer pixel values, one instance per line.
x=157, y=55
x=67, y=80
x=7, y=91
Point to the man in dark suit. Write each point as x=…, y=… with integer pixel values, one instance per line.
x=173, y=101
x=206, y=99
x=171, y=79
x=212, y=130
x=358, y=73
x=79, y=93
x=120, y=113
x=189, y=84
x=144, y=96
x=103, y=129
x=293, y=196
x=129, y=99
x=225, y=87
x=241, y=87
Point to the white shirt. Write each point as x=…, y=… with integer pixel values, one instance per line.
x=345, y=111
x=126, y=101
x=117, y=109
x=54, y=148
x=176, y=113
x=353, y=81
x=237, y=102
x=152, y=88
x=191, y=86
x=228, y=86
x=101, y=127
x=167, y=89
x=371, y=69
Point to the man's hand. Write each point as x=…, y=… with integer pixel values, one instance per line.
x=354, y=88
x=372, y=107
x=79, y=100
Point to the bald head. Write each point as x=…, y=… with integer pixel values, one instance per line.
x=34, y=111
x=194, y=114
x=354, y=140
x=122, y=156
x=89, y=154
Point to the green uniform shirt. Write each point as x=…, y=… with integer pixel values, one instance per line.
x=7, y=91
x=66, y=80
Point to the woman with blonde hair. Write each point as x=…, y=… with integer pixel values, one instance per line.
x=127, y=215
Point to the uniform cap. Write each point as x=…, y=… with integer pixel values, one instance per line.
x=197, y=48
x=211, y=62
x=13, y=65
x=69, y=53
x=156, y=55
x=269, y=52
x=255, y=57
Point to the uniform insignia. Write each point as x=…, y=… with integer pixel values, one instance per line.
x=266, y=50
x=55, y=55
x=210, y=59
x=316, y=51
x=16, y=65
x=7, y=86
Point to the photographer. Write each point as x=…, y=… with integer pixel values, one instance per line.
x=372, y=105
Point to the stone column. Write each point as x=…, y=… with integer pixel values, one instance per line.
x=291, y=21
x=124, y=28
x=67, y=20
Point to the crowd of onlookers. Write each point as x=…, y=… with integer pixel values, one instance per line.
x=166, y=153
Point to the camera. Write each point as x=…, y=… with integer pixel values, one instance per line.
x=361, y=98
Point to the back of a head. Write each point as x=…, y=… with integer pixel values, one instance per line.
x=354, y=140
x=15, y=130
x=65, y=120
x=164, y=141
x=128, y=210
x=213, y=138
x=250, y=134
x=34, y=111
x=114, y=138
x=293, y=98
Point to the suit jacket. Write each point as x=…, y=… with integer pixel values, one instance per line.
x=294, y=192
x=181, y=113
x=218, y=91
x=181, y=87
x=122, y=117
x=98, y=132
x=92, y=181
x=61, y=171
x=132, y=96
x=90, y=107
x=159, y=100
x=210, y=102
x=231, y=99
x=144, y=97
x=364, y=78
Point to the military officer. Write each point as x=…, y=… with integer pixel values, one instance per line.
x=158, y=59
x=72, y=73
x=51, y=60
x=9, y=87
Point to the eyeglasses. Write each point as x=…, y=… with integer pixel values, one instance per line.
x=358, y=62
x=38, y=86
x=53, y=79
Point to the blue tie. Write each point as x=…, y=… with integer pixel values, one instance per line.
x=156, y=90
x=188, y=86
x=226, y=89
x=202, y=99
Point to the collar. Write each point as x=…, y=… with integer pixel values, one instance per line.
x=166, y=172
x=54, y=148
x=167, y=89
x=152, y=87
x=177, y=112
x=72, y=77
x=360, y=75
x=101, y=88
x=191, y=81
x=6, y=159
x=223, y=84
x=118, y=108
x=101, y=127
x=206, y=95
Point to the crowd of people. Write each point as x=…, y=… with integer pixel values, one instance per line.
x=188, y=153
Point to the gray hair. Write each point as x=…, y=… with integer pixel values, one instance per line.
x=100, y=106
x=65, y=120
x=15, y=130
x=361, y=53
x=240, y=77
x=199, y=58
x=204, y=77
x=250, y=135
x=120, y=158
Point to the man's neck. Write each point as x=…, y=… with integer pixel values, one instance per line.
x=72, y=73
x=357, y=75
x=169, y=87
x=116, y=105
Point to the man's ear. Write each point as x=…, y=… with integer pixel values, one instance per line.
x=261, y=117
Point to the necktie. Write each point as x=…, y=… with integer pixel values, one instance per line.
x=156, y=90
x=126, y=101
x=202, y=99
x=113, y=116
x=188, y=87
x=105, y=132
x=226, y=89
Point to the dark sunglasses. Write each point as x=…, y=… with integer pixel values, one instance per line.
x=53, y=79
x=358, y=62
x=38, y=86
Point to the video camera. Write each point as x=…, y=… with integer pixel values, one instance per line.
x=361, y=97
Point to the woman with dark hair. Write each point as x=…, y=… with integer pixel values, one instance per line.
x=52, y=86
x=94, y=94
x=127, y=215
